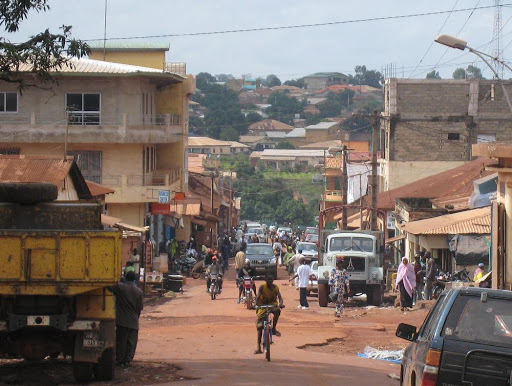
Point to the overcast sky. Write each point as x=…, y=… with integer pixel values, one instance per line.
x=406, y=43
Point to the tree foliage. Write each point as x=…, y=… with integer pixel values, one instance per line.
x=285, y=145
x=45, y=52
x=295, y=82
x=470, y=72
x=283, y=107
x=433, y=75
x=271, y=81
x=371, y=78
x=253, y=117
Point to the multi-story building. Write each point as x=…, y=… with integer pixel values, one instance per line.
x=429, y=125
x=321, y=80
x=126, y=125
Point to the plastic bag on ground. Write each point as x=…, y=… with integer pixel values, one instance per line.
x=394, y=356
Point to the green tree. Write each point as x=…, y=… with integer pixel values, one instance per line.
x=204, y=80
x=44, y=52
x=224, y=77
x=368, y=77
x=470, y=72
x=253, y=117
x=295, y=82
x=229, y=134
x=284, y=145
x=433, y=75
x=283, y=107
x=271, y=81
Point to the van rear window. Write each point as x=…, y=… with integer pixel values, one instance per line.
x=472, y=320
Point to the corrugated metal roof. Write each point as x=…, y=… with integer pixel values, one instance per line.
x=298, y=132
x=99, y=67
x=270, y=124
x=321, y=126
x=275, y=134
x=206, y=141
x=476, y=221
x=455, y=181
x=237, y=144
x=97, y=189
x=22, y=168
x=274, y=158
x=292, y=153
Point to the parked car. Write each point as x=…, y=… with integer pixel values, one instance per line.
x=284, y=230
x=309, y=231
x=261, y=256
x=313, y=282
x=466, y=339
x=309, y=251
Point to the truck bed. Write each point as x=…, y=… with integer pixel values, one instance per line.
x=44, y=262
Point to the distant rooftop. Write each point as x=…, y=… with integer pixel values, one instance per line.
x=324, y=74
x=321, y=126
x=98, y=45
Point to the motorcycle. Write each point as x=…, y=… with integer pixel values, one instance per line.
x=214, y=286
x=443, y=278
x=249, y=299
x=185, y=265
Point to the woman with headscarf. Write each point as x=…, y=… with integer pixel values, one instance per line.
x=406, y=281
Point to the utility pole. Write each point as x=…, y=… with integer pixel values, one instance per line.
x=344, y=187
x=375, y=136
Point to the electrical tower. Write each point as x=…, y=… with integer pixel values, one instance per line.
x=496, y=38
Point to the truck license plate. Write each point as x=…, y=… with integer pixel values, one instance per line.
x=91, y=339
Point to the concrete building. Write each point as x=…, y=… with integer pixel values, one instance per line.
x=282, y=159
x=429, y=125
x=126, y=125
x=321, y=80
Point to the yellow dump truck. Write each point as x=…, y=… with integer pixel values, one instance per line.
x=56, y=264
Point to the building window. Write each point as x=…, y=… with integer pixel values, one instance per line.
x=453, y=136
x=8, y=102
x=149, y=159
x=9, y=150
x=90, y=164
x=84, y=109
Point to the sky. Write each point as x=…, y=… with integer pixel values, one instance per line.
x=397, y=46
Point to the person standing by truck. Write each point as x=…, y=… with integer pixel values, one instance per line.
x=340, y=285
x=406, y=281
x=129, y=305
x=303, y=274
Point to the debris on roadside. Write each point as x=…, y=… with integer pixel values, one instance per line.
x=394, y=376
x=394, y=356
x=170, y=294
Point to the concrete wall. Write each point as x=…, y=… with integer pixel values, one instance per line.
x=152, y=59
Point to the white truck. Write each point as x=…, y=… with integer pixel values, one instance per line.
x=362, y=255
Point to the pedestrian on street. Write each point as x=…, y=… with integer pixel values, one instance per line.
x=135, y=260
x=295, y=263
x=430, y=275
x=341, y=286
x=406, y=281
x=226, y=251
x=240, y=257
x=129, y=305
x=419, y=272
x=304, y=275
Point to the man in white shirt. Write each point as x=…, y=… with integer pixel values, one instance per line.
x=303, y=274
x=295, y=263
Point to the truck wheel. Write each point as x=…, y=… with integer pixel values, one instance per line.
x=82, y=371
x=104, y=369
x=323, y=295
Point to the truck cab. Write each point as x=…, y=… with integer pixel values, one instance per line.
x=361, y=254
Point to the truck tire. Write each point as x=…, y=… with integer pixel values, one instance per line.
x=323, y=295
x=28, y=193
x=104, y=369
x=83, y=371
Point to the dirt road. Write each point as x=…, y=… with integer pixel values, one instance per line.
x=197, y=341
x=214, y=341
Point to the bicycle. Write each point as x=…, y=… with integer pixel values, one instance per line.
x=267, y=327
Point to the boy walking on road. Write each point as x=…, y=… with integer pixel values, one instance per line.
x=303, y=274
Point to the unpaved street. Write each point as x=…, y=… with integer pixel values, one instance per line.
x=196, y=341
x=213, y=341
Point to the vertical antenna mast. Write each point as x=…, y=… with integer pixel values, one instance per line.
x=105, y=34
x=496, y=37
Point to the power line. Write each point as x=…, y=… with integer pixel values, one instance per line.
x=354, y=21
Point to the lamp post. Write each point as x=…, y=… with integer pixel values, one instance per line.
x=453, y=42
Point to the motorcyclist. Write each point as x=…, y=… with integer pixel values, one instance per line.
x=214, y=268
x=208, y=257
x=246, y=270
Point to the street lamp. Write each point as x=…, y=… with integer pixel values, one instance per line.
x=453, y=42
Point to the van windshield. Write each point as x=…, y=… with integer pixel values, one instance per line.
x=472, y=320
x=358, y=244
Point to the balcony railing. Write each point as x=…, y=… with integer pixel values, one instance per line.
x=177, y=68
x=333, y=195
x=122, y=120
x=153, y=179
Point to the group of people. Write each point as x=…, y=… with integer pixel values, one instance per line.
x=415, y=282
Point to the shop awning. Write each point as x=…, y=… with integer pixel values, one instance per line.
x=396, y=238
x=198, y=221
